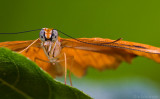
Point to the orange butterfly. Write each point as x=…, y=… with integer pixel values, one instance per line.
x=52, y=53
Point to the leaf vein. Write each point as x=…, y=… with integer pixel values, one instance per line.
x=15, y=89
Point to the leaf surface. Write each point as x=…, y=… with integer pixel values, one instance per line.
x=20, y=78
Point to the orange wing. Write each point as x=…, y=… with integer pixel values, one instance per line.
x=16, y=45
x=101, y=55
x=36, y=54
x=81, y=55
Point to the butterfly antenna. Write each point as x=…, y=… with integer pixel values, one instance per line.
x=22, y=32
x=100, y=44
x=113, y=41
x=105, y=44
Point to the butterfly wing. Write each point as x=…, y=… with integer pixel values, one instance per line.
x=16, y=45
x=101, y=53
x=36, y=54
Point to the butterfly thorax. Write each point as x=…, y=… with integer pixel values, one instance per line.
x=51, y=49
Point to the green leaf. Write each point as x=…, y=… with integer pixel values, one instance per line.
x=21, y=78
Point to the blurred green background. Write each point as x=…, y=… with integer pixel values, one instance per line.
x=133, y=20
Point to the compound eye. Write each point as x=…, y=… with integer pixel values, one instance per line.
x=42, y=35
x=54, y=35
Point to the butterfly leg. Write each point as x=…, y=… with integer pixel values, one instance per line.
x=29, y=45
x=41, y=60
x=65, y=68
x=68, y=58
x=70, y=78
x=70, y=71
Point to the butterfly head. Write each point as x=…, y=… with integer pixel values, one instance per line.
x=47, y=34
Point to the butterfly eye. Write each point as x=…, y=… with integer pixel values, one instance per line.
x=41, y=35
x=54, y=35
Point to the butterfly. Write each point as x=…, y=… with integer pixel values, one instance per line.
x=52, y=53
